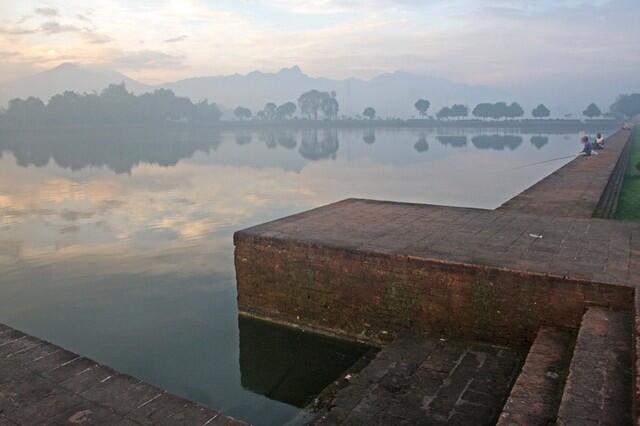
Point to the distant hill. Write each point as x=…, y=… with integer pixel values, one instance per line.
x=390, y=94
x=66, y=76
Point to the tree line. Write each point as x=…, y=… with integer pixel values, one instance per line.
x=114, y=105
x=625, y=106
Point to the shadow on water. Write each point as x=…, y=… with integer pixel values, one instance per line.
x=290, y=366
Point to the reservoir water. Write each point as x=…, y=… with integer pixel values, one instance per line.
x=117, y=243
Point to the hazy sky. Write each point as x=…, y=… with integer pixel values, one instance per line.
x=471, y=41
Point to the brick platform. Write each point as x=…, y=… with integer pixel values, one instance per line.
x=421, y=380
x=41, y=383
x=367, y=269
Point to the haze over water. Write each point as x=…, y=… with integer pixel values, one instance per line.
x=117, y=244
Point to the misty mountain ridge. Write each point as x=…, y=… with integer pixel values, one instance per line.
x=391, y=94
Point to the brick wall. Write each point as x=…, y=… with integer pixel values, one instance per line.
x=369, y=297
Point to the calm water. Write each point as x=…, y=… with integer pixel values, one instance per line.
x=117, y=243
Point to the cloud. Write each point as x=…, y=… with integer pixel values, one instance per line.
x=15, y=31
x=145, y=59
x=96, y=38
x=53, y=27
x=46, y=11
x=176, y=39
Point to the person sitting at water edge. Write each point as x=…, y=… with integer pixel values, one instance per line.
x=599, y=144
x=588, y=147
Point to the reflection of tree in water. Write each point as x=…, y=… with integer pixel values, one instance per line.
x=454, y=141
x=273, y=138
x=539, y=141
x=369, y=135
x=243, y=138
x=287, y=139
x=421, y=144
x=314, y=148
x=497, y=142
x=269, y=138
x=119, y=149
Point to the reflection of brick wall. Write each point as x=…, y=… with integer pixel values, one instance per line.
x=371, y=296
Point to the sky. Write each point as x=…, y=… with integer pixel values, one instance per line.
x=489, y=42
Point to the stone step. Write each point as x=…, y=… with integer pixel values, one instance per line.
x=598, y=387
x=422, y=380
x=535, y=396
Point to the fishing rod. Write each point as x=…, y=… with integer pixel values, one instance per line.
x=544, y=161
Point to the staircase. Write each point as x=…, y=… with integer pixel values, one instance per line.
x=587, y=384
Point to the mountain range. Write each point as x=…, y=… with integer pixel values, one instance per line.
x=392, y=94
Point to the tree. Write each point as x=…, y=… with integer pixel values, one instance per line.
x=592, y=111
x=541, y=111
x=241, y=113
x=482, y=110
x=627, y=105
x=28, y=111
x=270, y=110
x=444, y=113
x=286, y=110
x=329, y=105
x=310, y=102
x=422, y=105
x=369, y=112
x=514, y=111
x=459, y=111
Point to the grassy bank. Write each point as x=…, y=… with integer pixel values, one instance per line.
x=629, y=203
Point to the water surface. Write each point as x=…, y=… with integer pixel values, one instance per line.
x=117, y=243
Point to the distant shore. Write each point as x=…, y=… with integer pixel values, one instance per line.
x=522, y=125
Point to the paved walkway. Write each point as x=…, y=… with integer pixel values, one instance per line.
x=421, y=380
x=596, y=250
x=575, y=189
x=42, y=384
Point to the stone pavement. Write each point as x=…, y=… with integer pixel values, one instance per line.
x=42, y=384
x=422, y=380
